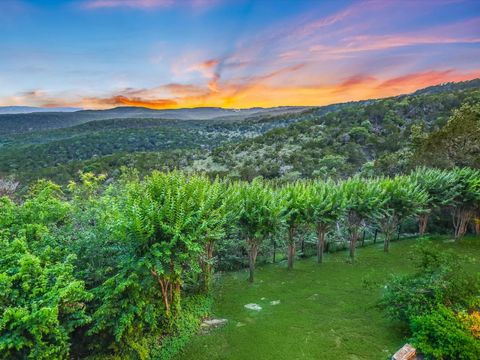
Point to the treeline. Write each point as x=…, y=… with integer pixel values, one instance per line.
x=124, y=269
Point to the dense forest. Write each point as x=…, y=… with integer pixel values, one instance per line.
x=377, y=136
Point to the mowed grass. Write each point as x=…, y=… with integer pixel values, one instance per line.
x=326, y=311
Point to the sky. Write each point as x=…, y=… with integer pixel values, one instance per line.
x=160, y=54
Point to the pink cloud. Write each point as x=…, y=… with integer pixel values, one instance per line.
x=98, y=4
x=146, y=4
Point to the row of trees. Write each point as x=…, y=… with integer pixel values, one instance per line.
x=119, y=264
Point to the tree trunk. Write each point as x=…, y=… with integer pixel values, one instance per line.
x=252, y=256
x=176, y=296
x=476, y=224
x=386, y=243
x=375, y=236
x=353, y=243
x=422, y=223
x=165, y=288
x=320, y=242
x=461, y=218
x=291, y=248
x=363, y=238
x=207, y=268
x=291, y=255
x=274, y=250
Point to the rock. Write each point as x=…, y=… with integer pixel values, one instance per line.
x=407, y=352
x=275, y=302
x=255, y=307
x=213, y=322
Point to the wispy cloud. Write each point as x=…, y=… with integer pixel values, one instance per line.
x=145, y=4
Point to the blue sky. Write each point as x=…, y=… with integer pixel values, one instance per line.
x=230, y=53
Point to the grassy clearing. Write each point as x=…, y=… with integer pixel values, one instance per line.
x=326, y=311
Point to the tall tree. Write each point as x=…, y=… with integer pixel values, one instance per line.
x=456, y=144
x=402, y=198
x=259, y=215
x=441, y=189
x=467, y=199
x=363, y=203
x=324, y=206
x=295, y=196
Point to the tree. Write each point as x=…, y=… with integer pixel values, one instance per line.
x=402, y=198
x=458, y=141
x=164, y=220
x=295, y=196
x=362, y=203
x=467, y=199
x=440, y=186
x=8, y=187
x=41, y=300
x=259, y=212
x=218, y=203
x=324, y=207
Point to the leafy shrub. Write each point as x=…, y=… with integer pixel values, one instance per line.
x=435, y=302
x=441, y=335
x=41, y=303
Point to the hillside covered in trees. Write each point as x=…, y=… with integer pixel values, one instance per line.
x=369, y=137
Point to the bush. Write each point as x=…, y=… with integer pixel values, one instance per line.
x=441, y=335
x=435, y=303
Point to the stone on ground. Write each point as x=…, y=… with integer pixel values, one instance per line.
x=255, y=307
x=213, y=322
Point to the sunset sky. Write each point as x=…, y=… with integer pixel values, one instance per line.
x=230, y=53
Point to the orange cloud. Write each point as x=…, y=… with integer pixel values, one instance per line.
x=260, y=91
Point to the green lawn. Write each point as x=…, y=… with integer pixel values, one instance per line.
x=326, y=311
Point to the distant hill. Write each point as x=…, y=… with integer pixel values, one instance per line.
x=33, y=109
x=27, y=122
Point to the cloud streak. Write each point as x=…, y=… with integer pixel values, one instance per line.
x=144, y=4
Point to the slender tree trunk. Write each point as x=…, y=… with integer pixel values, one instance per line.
x=207, y=268
x=353, y=243
x=165, y=288
x=320, y=242
x=386, y=244
x=354, y=223
x=303, y=245
x=274, y=250
x=176, y=296
x=461, y=218
x=363, y=238
x=422, y=223
x=375, y=236
x=252, y=256
x=476, y=224
x=291, y=247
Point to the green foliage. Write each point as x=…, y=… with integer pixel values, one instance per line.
x=430, y=300
x=458, y=141
x=402, y=198
x=438, y=280
x=363, y=202
x=259, y=212
x=440, y=334
x=42, y=301
x=440, y=186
